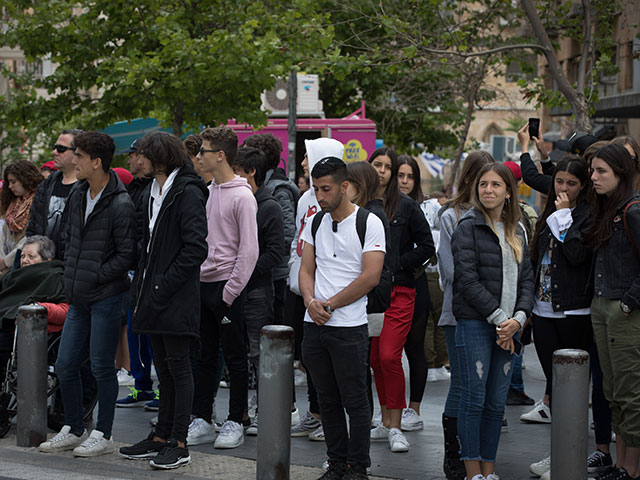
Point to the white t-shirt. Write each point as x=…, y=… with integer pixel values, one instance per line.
x=339, y=262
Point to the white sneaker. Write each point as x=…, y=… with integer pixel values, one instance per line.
x=379, y=433
x=200, y=431
x=94, y=445
x=397, y=441
x=538, y=468
x=432, y=375
x=317, y=435
x=231, y=435
x=376, y=420
x=411, y=421
x=477, y=477
x=295, y=417
x=546, y=475
x=253, y=428
x=306, y=426
x=439, y=374
x=539, y=414
x=125, y=379
x=253, y=406
x=299, y=378
x=493, y=476
x=63, y=440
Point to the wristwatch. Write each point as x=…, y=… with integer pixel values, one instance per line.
x=626, y=309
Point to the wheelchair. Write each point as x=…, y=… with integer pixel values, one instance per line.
x=55, y=409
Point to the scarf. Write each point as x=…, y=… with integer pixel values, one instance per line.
x=17, y=214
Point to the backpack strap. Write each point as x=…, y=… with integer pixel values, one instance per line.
x=361, y=224
x=627, y=229
x=315, y=225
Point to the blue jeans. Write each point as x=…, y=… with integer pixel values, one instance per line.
x=455, y=386
x=140, y=357
x=90, y=330
x=336, y=358
x=485, y=371
x=517, y=382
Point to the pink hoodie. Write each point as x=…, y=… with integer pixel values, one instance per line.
x=232, y=237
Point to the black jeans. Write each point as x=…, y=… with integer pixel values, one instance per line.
x=232, y=336
x=279, y=301
x=258, y=312
x=336, y=358
x=414, y=345
x=171, y=354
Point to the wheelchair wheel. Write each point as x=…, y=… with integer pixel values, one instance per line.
x=55, y=415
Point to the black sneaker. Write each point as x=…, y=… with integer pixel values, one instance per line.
x=621, y=474
x=598, y=461
x=335, y=471
x=146, y=448
x=515, y=397
x=171, y=456
x=355, y=472
x=609, y=474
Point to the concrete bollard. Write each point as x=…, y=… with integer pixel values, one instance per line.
x=275, y=385
x=570, y=417
x=32, y=375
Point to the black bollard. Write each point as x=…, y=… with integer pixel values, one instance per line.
x=32, y=375
x=275, y=384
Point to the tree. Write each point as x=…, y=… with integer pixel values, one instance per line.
x=184, y=62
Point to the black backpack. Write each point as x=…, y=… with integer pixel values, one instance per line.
x=378, y=299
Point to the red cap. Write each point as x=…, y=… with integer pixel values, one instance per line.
x=124, y=175
x=515, y=169
x=50, y=165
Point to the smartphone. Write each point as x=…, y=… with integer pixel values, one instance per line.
x=517, y=347
x=534, y=127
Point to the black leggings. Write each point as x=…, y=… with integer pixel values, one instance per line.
x=414, y=345
x=551, y=334
x=171, y=355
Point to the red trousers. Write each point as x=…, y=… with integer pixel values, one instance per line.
x=386, y=350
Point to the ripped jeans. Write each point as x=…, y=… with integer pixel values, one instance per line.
x=485, y=373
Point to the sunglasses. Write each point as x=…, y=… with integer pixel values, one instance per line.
x=205, y=150
x=62, y=148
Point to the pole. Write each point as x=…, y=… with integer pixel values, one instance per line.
x=569, y=427
x=293, y=111
x=275, y=385
x=32, y=375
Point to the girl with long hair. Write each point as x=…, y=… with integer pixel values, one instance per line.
x=450, y=214
x=16, y=196
x=615, y=309
x=493, y=296
x=411, y=246
x=562, y=264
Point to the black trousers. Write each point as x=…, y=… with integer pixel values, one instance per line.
x=171, y=354
x=221, y=325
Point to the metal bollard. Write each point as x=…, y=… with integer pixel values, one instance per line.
x=32, y=375
x=569, y=427
x=275, y=384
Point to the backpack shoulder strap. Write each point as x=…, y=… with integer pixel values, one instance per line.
x=315, y=224
x=626, y=226
x=361, y=224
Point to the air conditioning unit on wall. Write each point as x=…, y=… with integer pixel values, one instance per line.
x=276, y=100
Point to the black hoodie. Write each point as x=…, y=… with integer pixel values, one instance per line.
x=166, y=286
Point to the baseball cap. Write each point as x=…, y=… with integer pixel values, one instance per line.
x=515, y=169
x=132, y=148
x=124, y=175
x=561, y=147
x=580, y=141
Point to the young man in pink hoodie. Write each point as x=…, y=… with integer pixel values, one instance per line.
x=233, y=251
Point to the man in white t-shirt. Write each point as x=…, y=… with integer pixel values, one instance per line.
x=336, y=273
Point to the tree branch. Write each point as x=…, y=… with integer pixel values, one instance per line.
x=482, y=53
x=586, y=45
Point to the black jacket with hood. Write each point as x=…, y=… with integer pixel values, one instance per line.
x=99, y=252
x=166, y=286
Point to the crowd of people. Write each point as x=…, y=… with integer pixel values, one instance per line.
x=181, y=260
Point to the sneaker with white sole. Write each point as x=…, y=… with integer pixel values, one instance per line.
x=598, y=461
x=538, y=468
x=94, y=445
x=379, y=434
x=200, y=431
x=317, y=435
x=493, y=476
x=295, y=417
x=62, y=441
x=306, y=426
x=147, y=448
x=170, y=457
x=253, y=428
x=397, y=441
x=376, y=420
x=125, y=379
x=477, y=477
x=231, y=435
x=546, y=475
x=539, y=414
x=411, y=421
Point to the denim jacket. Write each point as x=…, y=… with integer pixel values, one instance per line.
x=616, y=265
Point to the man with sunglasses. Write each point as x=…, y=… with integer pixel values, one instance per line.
x=51, y=195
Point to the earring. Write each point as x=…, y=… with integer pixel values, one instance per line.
x=506, y=202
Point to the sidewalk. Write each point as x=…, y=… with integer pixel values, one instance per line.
x=522, y=445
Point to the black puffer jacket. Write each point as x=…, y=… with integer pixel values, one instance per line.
x=570, y=263
x=98, y=253
x=411, y=241
x=166, y=287
x=477, y=258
